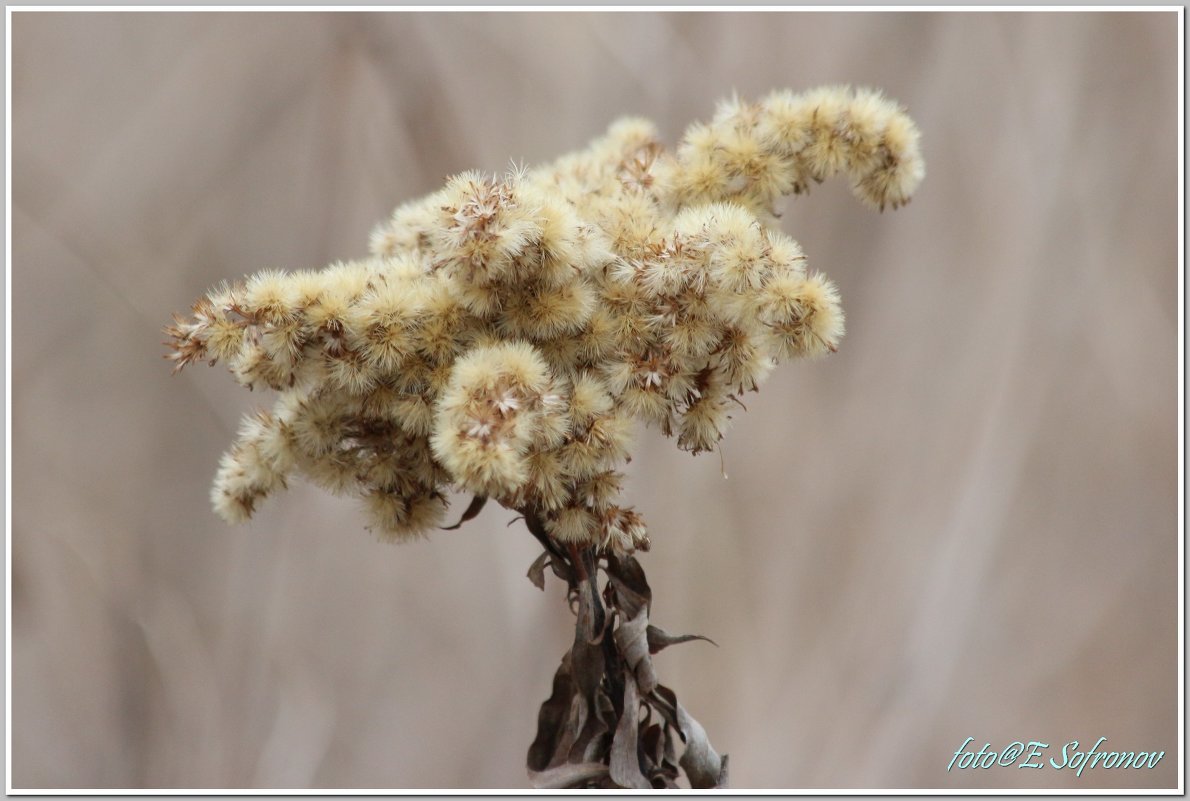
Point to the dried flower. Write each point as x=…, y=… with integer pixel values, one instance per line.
x=506, y=330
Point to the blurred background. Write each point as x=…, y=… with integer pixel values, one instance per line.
x=964, y=524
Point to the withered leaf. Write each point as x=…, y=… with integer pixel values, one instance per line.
x=703, y=766
x=567, y=776
x=586, y=657
x=657, y=744
x=597, y=729
x=594, y=741
x=551, y=718
x=472, y=511
x=571, y=732
x=630, y=585
x=625, y=764
x=634, y=648
x=670, y=762
x=536, y=572
x=537, y=529
x=659, y=639
x=651, y=743
x=562, y=570
x=613, y=677
x=591, y=617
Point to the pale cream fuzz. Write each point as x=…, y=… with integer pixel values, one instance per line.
x=508, y=331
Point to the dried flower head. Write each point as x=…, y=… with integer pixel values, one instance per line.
x=506, y=330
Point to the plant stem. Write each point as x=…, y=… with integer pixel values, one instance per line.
x=608, y=722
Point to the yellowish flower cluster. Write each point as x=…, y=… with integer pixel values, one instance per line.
x=506, y=331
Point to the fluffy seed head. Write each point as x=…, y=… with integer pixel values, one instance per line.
x=507, y=332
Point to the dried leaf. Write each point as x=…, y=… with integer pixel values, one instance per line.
x=657, y=745
x=586, y=657
x=597, y=729
x=591, y=617
x=567, y=776
x=594, y=741
x=536, y=572
x=633, y=646
x=659, y=639
x=703, y=766
x=561, y=570
x=537, y=529
x=631, y=587
x=666, y=702
x=472, y=512
x=613, y=679
x=625, y=764
x=570, y=733
x=551, y=719
x=651, y=742
x=670, y=762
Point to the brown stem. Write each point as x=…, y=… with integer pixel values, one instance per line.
x=608, y=723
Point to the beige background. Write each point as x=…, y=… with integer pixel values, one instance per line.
x=963, y=524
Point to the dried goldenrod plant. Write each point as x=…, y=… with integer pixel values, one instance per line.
x=504, y=335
